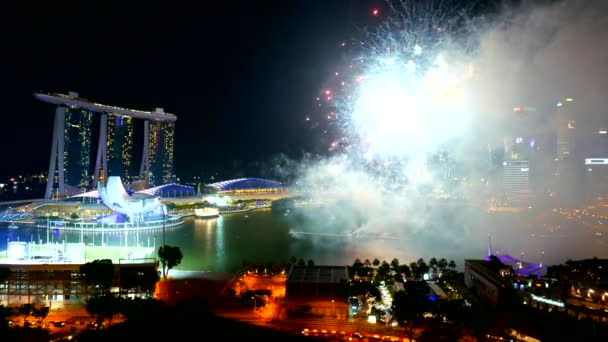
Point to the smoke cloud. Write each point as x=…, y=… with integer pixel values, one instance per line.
x=406, y=206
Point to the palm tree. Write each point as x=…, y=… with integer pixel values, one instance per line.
x=452, y=264
x=395, y=264
x=376, y=262
x=442, y=264
x=433, y=264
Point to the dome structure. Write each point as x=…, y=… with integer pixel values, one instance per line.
x=246, y=184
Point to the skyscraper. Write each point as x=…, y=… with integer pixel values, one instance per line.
x=568, y=167
x=120, y=146
x=157, y=164
x=519, y=158
x=70, y=163
x=566, y=125
x=70, y=149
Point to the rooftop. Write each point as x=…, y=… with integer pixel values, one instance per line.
x=318, y=274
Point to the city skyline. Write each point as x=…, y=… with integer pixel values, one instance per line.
x=241, y=94
x=76, y=120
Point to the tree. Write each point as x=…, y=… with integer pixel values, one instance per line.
x=102, y=306
x=98, y=274
x=433, y=264
x=442, y=264
x=423, y=268
x=376, y=262
x=170, y=257
x=383, y=271
x=6, y=313
x=26, y=310
x=405, y=270
x=408, y=310
x=452, y=265
x=395, y=264
x=41, y=312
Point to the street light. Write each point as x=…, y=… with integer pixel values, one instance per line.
x=164, y=219
x=333, y=309
x=48, y=227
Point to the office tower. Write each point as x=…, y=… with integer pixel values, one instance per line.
x=595, y=147
x=568, y=166
x=519, y=158
x=566, y=126
x=70, y=153
x=516, y=171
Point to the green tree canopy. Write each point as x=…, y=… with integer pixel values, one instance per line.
x=99, y=274
x=170, y=257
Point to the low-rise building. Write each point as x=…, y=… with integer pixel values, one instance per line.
x=62, y=284
x=490, y=279
x=323, y=288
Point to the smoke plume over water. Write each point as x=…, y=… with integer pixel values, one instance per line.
x=455, y=96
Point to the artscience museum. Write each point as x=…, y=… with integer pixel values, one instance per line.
x=113, y=206
x=136, y=207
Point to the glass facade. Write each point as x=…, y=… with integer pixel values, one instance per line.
x=160, y=152
x=77, y=147
x=120, y=146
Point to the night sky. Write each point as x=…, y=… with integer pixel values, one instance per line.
x=240, y=77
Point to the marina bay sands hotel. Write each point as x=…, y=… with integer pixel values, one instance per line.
x=70, y=169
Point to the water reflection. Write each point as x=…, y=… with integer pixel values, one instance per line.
x=223, y=243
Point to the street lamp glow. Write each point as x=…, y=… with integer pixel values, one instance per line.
x=164, y=219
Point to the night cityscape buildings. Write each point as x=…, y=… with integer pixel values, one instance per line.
x=505, y=118
x=70, y=165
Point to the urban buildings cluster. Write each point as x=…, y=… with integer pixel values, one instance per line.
x=71, y=169
x=553, y=158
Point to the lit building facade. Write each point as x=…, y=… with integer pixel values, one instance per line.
x=59, y=285
x=519, y=158
x=70, y=150
x=566, y=128
x=516, y=181
x=77, y=148
x=568, y=168
x=160, y=152
x=70, y=162
x=120, y=146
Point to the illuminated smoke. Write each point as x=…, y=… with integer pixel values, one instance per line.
x=430, y=82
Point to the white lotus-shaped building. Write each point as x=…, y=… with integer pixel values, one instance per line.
x=115, y=197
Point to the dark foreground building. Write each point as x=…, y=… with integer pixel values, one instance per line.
x=322, y=288
x=60, y=284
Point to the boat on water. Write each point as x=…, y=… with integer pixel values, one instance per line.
x=206, y=212
x=13, y=226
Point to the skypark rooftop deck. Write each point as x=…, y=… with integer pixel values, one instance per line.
x=74, y=101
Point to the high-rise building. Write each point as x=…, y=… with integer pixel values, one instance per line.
x=516, y=171
x=596, y=179
x=568, y=168
x=120, y=146
x=519, y=158
x=71, y=149
x=566, y=126
x=160, y=152
x=70, y=162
